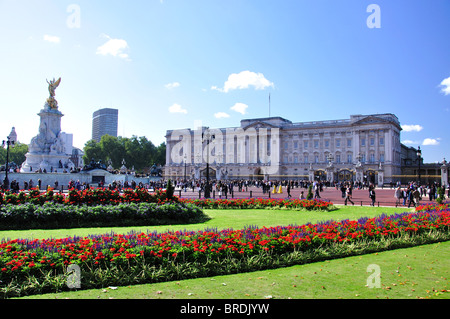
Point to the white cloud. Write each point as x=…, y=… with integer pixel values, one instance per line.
x=221, y=115
x=176, y=108
x=446, y=86
x=52, y=38
x=431, y=141
x=409, y=142
x=114, y=47
x=240, y=108
x=172, y=85
x=244, y=80
x=412, y=128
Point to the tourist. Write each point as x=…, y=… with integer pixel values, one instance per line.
x=398, y=195
x=302, y=195
x=316, y=190
x=348, y=195
x=372, y=194
x=410, y=196
x=416, y=197
x=404, y=196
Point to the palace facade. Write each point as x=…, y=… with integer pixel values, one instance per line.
x=361, y=148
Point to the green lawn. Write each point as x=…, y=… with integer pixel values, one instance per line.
x=418, y=272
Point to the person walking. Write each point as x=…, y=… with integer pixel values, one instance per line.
x=316, y=191
x=416, y=197
x=410, y=197
x=398, y=195
x=372, y=194
x=348, y=195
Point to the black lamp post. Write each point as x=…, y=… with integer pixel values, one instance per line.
x=8, y=142
x=185, y=181
x=208, y=138
x=419, y=158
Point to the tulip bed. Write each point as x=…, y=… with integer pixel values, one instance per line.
x=35, y=266
x=104, y=196
x=91, y=196
x=264, y=203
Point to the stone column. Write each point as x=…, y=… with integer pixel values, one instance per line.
x=444, y=174
x=330, y=174
x=311, y=173
x=380, y=176
x=359, y=173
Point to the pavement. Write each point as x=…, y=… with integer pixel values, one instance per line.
x=384, y=196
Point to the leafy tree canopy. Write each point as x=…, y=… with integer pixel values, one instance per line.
x=136, y=151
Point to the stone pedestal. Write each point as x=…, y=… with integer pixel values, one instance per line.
x=330, y=173
x=359, y=173
x=47, y=150
x=311, y=173
x=380, y=176
x=444, y=174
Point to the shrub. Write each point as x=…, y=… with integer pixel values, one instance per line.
x=310, y=195
x=54, y=215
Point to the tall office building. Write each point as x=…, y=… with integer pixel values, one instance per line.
x=104, y=121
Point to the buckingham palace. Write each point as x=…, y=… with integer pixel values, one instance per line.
x=364, y=148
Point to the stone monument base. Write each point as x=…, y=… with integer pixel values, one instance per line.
x=46, y=163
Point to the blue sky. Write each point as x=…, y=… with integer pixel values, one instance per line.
x=166, y=64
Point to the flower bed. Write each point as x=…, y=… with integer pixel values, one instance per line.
x=264, y=203
x=116, y=259
x=91, y=196
x=102, y=196
x=433, y=207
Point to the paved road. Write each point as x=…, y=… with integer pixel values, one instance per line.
x=384, y=197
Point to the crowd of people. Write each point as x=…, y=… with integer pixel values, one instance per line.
x=405, y=195
x=413, y=193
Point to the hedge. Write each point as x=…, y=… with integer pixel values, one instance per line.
x=52, y=215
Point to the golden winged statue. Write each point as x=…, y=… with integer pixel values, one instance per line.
x=52, y=85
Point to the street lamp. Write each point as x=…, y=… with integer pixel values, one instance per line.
x=419, y=158
x=8, y=142
x=208, y=138
x=185, y=159
x=330, y=159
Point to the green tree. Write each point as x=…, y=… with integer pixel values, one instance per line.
x=113, y=149
x=16, y=154
x=93, y=150
x=160, y=158
x=138, y=152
